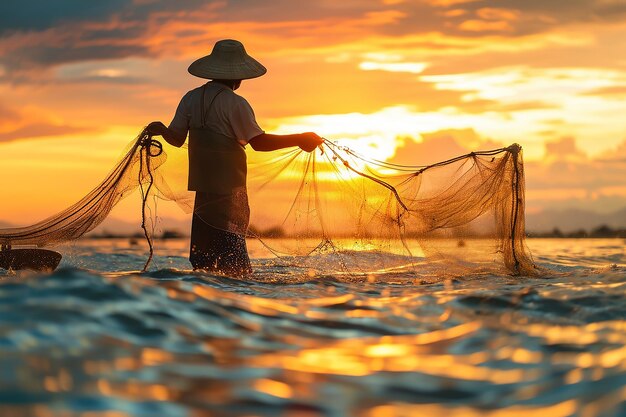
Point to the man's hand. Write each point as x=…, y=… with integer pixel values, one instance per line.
x=310, y=141
x=159, y=129
x=156, y=129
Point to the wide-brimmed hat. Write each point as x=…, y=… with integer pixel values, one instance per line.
x=228, y=61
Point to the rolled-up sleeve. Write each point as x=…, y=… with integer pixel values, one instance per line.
x=244, y=122
x=180, y=123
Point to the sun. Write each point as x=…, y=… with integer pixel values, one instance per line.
x=370, y=136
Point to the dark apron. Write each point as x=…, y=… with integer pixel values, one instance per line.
x=217, y=172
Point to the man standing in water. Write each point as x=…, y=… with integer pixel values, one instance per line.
x=220, y=123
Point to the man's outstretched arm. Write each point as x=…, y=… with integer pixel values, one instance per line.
x=267, y=142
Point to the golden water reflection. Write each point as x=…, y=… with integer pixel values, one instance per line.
x=201, y=345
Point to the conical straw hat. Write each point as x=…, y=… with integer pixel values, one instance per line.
x=228, y=61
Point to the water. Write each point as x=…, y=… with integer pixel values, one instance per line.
x=90, y=341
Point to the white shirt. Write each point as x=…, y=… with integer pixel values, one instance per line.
x=229, y=114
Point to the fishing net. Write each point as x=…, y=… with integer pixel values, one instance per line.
x=333, y=209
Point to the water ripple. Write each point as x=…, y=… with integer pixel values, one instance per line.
x=91, y=341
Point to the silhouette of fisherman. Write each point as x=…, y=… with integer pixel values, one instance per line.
x=220, y=124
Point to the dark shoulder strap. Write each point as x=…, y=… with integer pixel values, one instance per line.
x=202, y=113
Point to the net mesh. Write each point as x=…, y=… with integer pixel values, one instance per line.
x=355, y=213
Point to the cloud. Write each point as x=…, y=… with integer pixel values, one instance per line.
x=17, y=124
x=613, y=91
x=76, y=31
x=36, y=15
x=485, y=26
x=568, y=171
x=40, y=130
x=33, y=58
x=287, y=10
x=509, y=83
x=439, y=146
x=565, y=178
x=29, y=56
x=616, y=155
x=525, y=17
x=564, y=149
x=410, y=67
x=556, y=183
x=523, y=106
x=8, y=114
x=40, y=15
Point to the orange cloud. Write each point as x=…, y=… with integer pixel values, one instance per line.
x=564, y=149
x=8, y=115
x=490, y=13
x=28, y=123
x=618, y=90
x=441, y=145
x=448, y=3
x=42, y=129
x=486, y=26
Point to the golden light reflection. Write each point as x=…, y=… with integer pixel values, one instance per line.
x=563, y=409
x=61, y=382
x=40, y=410
x=151, y=356
x=257, y=305
x=387, y=350
x=133, y=389
x=273, y=387
x=520, y=355
x=356, y=360
x=306, y=363
x=423, y=353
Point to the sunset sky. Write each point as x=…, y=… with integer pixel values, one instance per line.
x=410, y=81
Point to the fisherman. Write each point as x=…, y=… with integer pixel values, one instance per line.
x=220, y=124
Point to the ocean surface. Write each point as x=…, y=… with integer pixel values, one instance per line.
x=97, y=338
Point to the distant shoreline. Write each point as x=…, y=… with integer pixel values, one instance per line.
x=531, y=235
x=600, y=232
